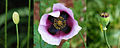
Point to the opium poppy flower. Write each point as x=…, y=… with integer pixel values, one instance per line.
x=57, y=25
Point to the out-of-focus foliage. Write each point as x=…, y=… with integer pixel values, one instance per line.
x=95, y=37
x=46, y=7
x=66, y=45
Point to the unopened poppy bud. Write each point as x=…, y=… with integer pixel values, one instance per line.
x=15, y=17
x=104, y=19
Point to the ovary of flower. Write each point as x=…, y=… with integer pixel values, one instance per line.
x=59, y=22
x=15, y=17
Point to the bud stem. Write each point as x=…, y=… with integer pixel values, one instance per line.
x=6, y=24
x=17, y=35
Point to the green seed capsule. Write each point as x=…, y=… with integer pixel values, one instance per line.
x=104, y=19
x=15, y=17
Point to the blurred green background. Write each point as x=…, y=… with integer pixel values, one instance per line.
x=95, y=37
x=20, y=6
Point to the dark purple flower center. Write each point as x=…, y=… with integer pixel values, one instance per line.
x=59, y=24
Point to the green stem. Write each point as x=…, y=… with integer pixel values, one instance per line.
x=83, y=40
x=106, y=39
x=28, y=25
x=6, y=25
x=17, y=35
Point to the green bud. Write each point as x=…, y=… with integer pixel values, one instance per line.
x=15, y=17
x=104, y=19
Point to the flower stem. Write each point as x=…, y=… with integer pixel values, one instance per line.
x=17, y=35
x=6, y=25
x=106, y=39
x=28, y=34
x=83, y=40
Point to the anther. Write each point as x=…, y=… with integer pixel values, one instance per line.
x=59, y=23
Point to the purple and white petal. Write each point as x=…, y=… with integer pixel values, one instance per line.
x=61, y=7
x=44, y=19
x=55, y=13
x=75, y=29
x=47, y=37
